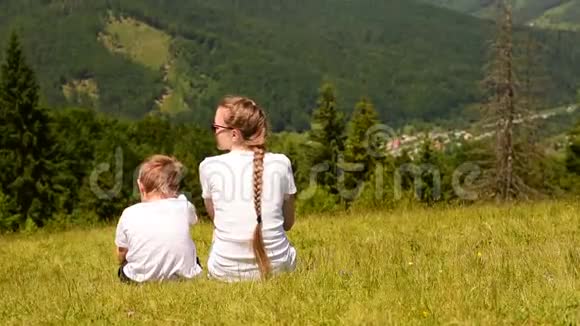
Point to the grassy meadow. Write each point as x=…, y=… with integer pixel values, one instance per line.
x=140, y=42
x=476, y=265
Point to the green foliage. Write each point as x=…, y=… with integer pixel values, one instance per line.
x=29, y=226
x=317, y=200
x=573, y=152
x=24, y=139
x=378, y=192
x=429, y=174
x=549, y=174
x=358, y=148
x=294, y=145
x=9, y=220
x=327, y=138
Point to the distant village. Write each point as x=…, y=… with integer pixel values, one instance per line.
x=411, y=144
x=443, y=140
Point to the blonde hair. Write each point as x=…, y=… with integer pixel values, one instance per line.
x=161, y=174
x=246, y=116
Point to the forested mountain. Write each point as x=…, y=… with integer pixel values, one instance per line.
x=133, y=57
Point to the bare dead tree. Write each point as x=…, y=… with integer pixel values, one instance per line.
x=510, y=105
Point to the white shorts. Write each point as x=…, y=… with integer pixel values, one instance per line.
x=244, y=271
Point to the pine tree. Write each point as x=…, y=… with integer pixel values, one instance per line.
x=24, y=130
x=429, y=170
x=363, y=119
x=357, y=150
x=327, y=137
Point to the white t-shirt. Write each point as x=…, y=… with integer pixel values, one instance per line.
x=157, y=237
x=228, y=180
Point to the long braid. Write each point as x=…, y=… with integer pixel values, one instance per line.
x=249, y=118
x=258, y=241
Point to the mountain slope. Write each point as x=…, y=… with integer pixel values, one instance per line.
x=415, y=61
x=554, y=14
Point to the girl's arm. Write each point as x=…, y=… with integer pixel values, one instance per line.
x=121, y=240
x=209, y=207
x=121, y=255
x=288, y=211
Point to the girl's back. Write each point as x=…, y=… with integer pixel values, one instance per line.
x=228, y=180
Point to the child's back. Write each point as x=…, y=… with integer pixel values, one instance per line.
x=157, y=236
x=153, y=240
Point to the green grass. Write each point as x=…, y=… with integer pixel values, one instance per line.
x=137, y=40
x=180, y=86
x=482, y=265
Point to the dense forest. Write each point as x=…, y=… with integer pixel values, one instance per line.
x=415, y=61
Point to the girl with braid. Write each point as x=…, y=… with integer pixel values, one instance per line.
x=249, y=195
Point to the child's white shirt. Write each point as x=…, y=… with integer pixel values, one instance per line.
x=157, y=237
x=228, y=181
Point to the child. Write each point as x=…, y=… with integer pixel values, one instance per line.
x=249, y=194
x=152, y=238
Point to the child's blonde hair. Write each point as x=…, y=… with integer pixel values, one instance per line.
x=161, y=174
